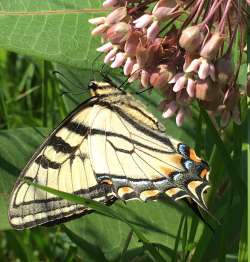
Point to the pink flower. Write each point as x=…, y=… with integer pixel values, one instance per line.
x=117, y=15
x=173, y=108
x=161, y=12
x=110, y=3
x=181, y=81
x=191, y=38
x=183, y=56
x=230, y=108
x=202, y=67
x=227, y=115
x=97, y=20
x=119, y=60
x=161, y=76
x=145, y=76
x=103, y=23
x=212, y=46
x=164, y=9
x=135, y=73
x=110, y=55
x=100, y=29
x=178, y=107
x=105, y=48
x=143, y=21
x=128, y=67
x=170, y=109
x=153, y=30
x=118, y=32
x=180, y=117
x=132, y=43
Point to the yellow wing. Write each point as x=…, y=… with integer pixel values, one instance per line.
x=110, y=147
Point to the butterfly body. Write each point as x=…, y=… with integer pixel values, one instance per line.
x=109, y=148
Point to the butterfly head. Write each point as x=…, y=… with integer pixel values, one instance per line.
x=102, y=88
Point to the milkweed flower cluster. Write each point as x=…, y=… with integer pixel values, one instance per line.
x=181, y=47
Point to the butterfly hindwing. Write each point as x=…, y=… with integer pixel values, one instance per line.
x=142, y=162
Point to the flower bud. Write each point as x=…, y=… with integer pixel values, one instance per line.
x=153, y=57
x=212, y=46
x=143, y=21
x=141, y=55
x=206, y=90
x=99, y=30
x=161, y=76
x=97, y=20
x=224, y=70
x=231, y=97
x=214, y=104
x=180, y=117
x=128, y=67
x=153, y=30
x=225, y=118
x=118, y=33
x=119, y=60
x=145, y=78
x=169, y=109
x=105, y=48
x=109, y=3
x=132, y=43
x=117, y=15
x=163, y=9
x=191, y=38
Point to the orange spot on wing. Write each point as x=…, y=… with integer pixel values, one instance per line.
x=149, y=193
x=166, y=171
x=173, y=161
x=193, y=156
x=173, y=191
x=176, y=158
x=203, y=173
x=124, y=190
x=107, y=181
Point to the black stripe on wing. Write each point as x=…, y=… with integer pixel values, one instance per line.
x=97, y=191
x=77, y=128
x=137, y=125
x=60, y=145
x=46, y=163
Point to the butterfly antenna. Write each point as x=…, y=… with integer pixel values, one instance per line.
x=71, y=93
x=127, y=80
x=55, y=73
x=93, y=63
x=144, y=90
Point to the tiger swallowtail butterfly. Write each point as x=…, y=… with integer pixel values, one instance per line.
x=110, y=147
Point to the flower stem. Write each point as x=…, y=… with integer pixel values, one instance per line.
x=223, y=19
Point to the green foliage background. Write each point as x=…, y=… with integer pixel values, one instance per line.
x=38, y=37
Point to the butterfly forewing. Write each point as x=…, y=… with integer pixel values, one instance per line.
x=109, y=148
x=62, y=163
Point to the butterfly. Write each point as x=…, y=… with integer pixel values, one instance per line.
x=110, y=147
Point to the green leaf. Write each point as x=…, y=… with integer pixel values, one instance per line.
x=104, y=210
x=90, y=252
x=51, y=30
x=157, y=221
x=16, y=147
